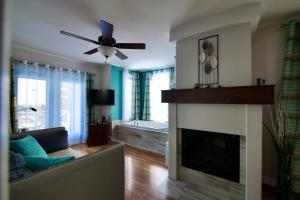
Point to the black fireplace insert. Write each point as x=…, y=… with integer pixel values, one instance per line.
x=213, y=153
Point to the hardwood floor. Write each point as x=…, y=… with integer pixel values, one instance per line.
x=83, y=148
x=146, y=171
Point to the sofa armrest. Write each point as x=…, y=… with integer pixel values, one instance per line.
x=51, y=139
x=93, y=177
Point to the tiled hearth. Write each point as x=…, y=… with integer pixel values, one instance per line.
x=185, y=191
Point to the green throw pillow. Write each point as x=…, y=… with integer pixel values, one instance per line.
x=27, y=146
x=36, y=163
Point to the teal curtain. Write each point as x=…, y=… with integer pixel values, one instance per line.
x=141, y=83
x=291, y=95
x=172, y=78
x=117, y=86
x=146, y=105
x=90, y=108
x=136, y=95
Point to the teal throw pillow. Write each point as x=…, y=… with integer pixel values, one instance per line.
x=27, y=146
x=37, y=163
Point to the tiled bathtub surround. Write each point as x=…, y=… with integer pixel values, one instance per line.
x=144, y=139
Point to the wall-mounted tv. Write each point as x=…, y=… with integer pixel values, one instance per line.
x=102, y=97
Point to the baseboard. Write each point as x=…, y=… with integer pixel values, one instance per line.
x=269, y=181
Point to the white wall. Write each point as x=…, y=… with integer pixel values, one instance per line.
x=102, y=71
x=105, y=83
x=234, y=57
x=234, y=70
x=268, y=47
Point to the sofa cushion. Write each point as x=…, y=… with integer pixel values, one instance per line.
x=16, y=160
x=37, y=163
x=27, y=146
x=51, y=139
x=67, y=152
x=17, y=166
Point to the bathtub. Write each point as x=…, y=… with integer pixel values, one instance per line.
x=148, y=125
x=148, y=135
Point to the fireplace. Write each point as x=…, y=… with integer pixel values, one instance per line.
x=213, y=153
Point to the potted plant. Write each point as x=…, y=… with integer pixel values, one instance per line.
x=284, y=143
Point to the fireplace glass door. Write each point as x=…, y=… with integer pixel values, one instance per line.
x=213, y=153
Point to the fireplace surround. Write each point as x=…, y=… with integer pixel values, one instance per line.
x=212, y=153
x=241, y=120
x=235, y=110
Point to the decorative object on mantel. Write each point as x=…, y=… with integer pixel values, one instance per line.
x=260, y=81
x=221, y=95
x=208, y=66
x=196, y=86
x=284, y=143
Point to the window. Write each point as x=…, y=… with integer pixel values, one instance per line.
x=59, y=97
x=70, y=112
x=160, y=81
x=31, y=93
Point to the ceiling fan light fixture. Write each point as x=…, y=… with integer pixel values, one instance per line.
x=107, y=51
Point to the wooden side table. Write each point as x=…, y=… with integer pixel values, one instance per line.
x=98, y=134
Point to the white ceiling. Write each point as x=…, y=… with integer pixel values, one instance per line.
x=36, y=24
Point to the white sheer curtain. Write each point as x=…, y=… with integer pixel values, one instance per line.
x=127, y=95
x=160, y=81
x=73, y=114
x=58, y=95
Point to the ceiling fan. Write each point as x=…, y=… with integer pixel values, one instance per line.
x=108, y=44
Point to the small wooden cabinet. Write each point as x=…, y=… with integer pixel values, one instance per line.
x=98, y=134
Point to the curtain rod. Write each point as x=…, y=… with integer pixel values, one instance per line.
x=153, y=70
x=51, y=66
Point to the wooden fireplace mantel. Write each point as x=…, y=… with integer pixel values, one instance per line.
x=223, y=95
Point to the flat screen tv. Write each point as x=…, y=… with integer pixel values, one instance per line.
x=102, y=97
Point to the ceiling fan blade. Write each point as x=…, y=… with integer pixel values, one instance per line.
x=130, y=45
x=120, y=55
x=78, y=37
x=90, y=52
x=107, y=30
